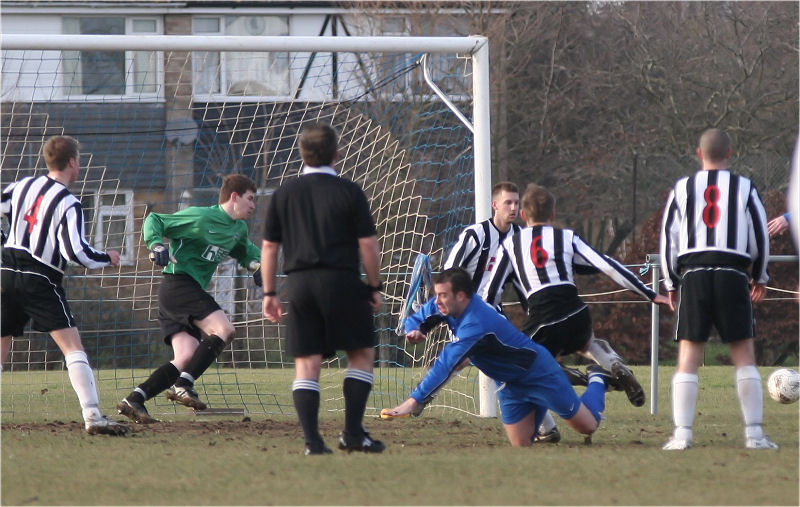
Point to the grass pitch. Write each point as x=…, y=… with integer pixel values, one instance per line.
x=441, y=458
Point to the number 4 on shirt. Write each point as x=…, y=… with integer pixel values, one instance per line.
x=30, y=216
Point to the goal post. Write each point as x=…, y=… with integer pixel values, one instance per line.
x=185, y=110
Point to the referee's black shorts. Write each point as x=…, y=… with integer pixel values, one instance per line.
x=27, y=295
x=181, y=301
x=328, y=311
x=715, y=296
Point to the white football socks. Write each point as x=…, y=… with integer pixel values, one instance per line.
x=684, y=402
x=748, y=387
x=548, y=423
x=600, y=352
x=82, y=379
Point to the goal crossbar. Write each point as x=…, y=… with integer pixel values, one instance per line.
x=470, y=44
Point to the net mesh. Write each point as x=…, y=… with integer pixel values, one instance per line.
x=159, y=130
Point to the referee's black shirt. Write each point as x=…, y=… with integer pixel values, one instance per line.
x=319, y=218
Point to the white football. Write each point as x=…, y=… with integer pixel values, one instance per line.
x=784, y=385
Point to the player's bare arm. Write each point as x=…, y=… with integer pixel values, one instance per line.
x=370, y=257
x=271, y=304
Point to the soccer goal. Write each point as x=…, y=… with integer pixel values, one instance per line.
x=161, y=119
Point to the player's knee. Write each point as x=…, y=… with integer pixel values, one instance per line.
x=226, y=333
x=229, y=334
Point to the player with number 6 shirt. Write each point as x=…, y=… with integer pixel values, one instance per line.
x=544, y=259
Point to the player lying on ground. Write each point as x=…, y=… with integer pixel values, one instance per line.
x=46, y=231
x=476, y=251
x=190, y=320
x=529, y=380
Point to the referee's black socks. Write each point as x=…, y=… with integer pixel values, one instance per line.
x=207, y=352
x=305, y=395
x=356, y=388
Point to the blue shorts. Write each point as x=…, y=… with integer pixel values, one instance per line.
x=545, y=387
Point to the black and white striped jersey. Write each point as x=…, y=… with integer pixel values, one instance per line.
x=476, y=252
x=544, y=259
x=714, y=218
x=46, y=221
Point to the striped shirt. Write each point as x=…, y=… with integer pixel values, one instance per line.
x=476, y=252
x=544, y=260
x=46, y=222
x=714, y=218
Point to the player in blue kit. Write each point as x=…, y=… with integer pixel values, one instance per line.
x=529, y=380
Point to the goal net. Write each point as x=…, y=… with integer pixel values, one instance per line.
x=162, y=119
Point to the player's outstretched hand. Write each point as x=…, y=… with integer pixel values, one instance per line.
x=159, y=254
x=661, y=299
x=403, y=410
x=777, y=226
x=673, y=300
x=415, y=336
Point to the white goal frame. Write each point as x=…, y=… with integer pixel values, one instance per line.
x=475, y=46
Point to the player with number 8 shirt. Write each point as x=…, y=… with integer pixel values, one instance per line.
x=544, y=259
x=714, y=239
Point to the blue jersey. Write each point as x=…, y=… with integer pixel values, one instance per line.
x=491, y=343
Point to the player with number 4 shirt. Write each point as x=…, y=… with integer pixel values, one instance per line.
x=45, y=232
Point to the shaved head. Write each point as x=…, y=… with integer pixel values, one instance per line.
x=715, y=145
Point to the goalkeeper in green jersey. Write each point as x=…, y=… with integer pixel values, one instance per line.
x=190, y=320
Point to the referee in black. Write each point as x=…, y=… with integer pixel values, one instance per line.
x=714, y=252
x=45, y=232
x=324, y=224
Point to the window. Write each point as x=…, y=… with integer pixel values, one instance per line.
x=113, y=223
x=240, y=73
x=394, y=63
x=91, y=73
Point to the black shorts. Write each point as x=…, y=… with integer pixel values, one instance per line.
x=328, y=311
x=714, y=296
x=567, y=336
x=181, y=301
x=30, y=295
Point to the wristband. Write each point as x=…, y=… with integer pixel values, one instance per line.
x=270, y=293
x=373, y=288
